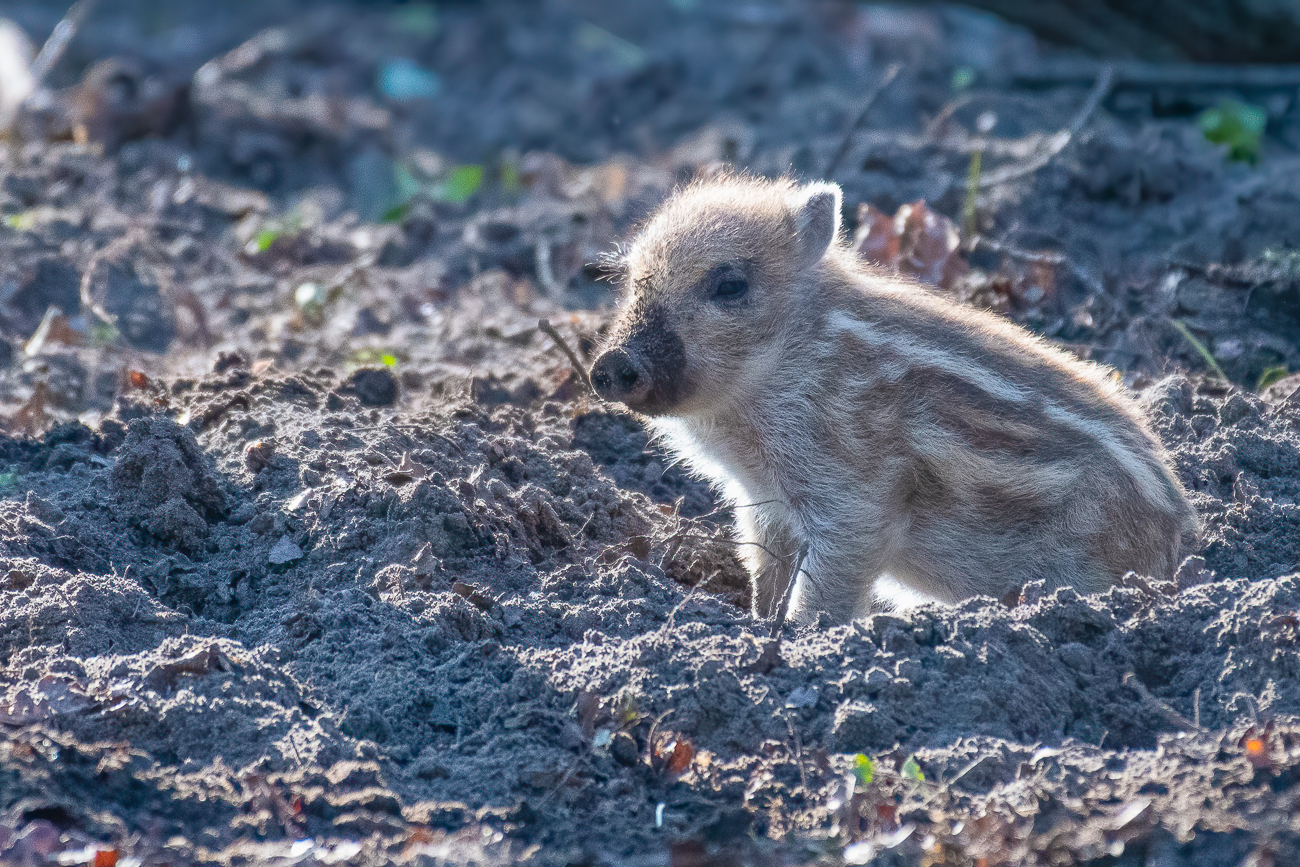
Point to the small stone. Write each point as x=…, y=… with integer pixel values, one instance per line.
x=623, y=748
x=372, y=386
x=285, y=551
x=258, y=455
x=803, y=696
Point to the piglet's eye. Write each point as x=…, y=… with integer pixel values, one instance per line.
x=731, y=288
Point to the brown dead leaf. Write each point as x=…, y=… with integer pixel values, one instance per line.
x=258, y=455
x=470, y=593
x=201, y=661
x=31, y=418
x=587, y=709
x=62, y=694
x=928, y=245
x=406, y=471
x=672, y=756
x=875, y=238
x=48, y=697
x=916, y=241
x=21, y=710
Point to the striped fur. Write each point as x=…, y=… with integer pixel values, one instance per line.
x=885, y=428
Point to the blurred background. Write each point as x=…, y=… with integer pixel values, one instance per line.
x=304, y=181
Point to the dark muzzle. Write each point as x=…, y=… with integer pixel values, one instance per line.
x=646, y=370
x=617, y=377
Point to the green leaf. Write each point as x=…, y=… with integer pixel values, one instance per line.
x=912, y=771
x=103, y=333
x=510, y=177
x=462, y=183
x=1206, y=355
x=864, y=769
x=366, y=356
x=1270, y=376
x=396, y=213
x=627, y=709
x=265, y=239
x=1239, y=125
x=23, y=222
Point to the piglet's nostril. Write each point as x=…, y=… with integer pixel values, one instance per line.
x=626, y=375
x=614, y=375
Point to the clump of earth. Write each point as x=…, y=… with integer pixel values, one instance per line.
x=317, y=549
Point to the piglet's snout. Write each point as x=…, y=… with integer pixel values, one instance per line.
x=617, y=376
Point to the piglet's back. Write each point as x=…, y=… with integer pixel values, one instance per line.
x=1003, y=432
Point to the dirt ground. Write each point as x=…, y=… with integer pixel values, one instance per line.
x=316, y=551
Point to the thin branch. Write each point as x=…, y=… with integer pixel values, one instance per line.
x=784, y=611
x=1170, y=715
x=62, y=34
x=1141, y=73
x=578, y=367
x=1058, y=142
x=885, y=80
x=1054, y=259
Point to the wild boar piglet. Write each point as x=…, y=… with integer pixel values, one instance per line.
x=871, y=423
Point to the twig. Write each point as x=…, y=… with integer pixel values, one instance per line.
x=578, y=367
x=968, y=211
x=1170, y=715
x=1017, y=253
x=690, y=594
x=1200, y=348
x=1053, y=259
x=62, y=34
x=885, y=80
x=947, y=785
x=1059, y=141
x=545, y=270
x=784, y=611
x=568, y=774
x=1139, y=73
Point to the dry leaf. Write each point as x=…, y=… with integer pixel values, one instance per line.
x=31, y=418
x=672, y=756
x=470, y=593
x=875, y=238
x=916, y=241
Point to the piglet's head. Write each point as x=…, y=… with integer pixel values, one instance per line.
x=714, y=282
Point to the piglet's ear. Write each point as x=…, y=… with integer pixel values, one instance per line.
x=816, y=209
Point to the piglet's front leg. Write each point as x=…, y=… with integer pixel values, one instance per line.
x=769, y=549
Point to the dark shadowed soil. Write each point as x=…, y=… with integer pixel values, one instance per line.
x=315, y=551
